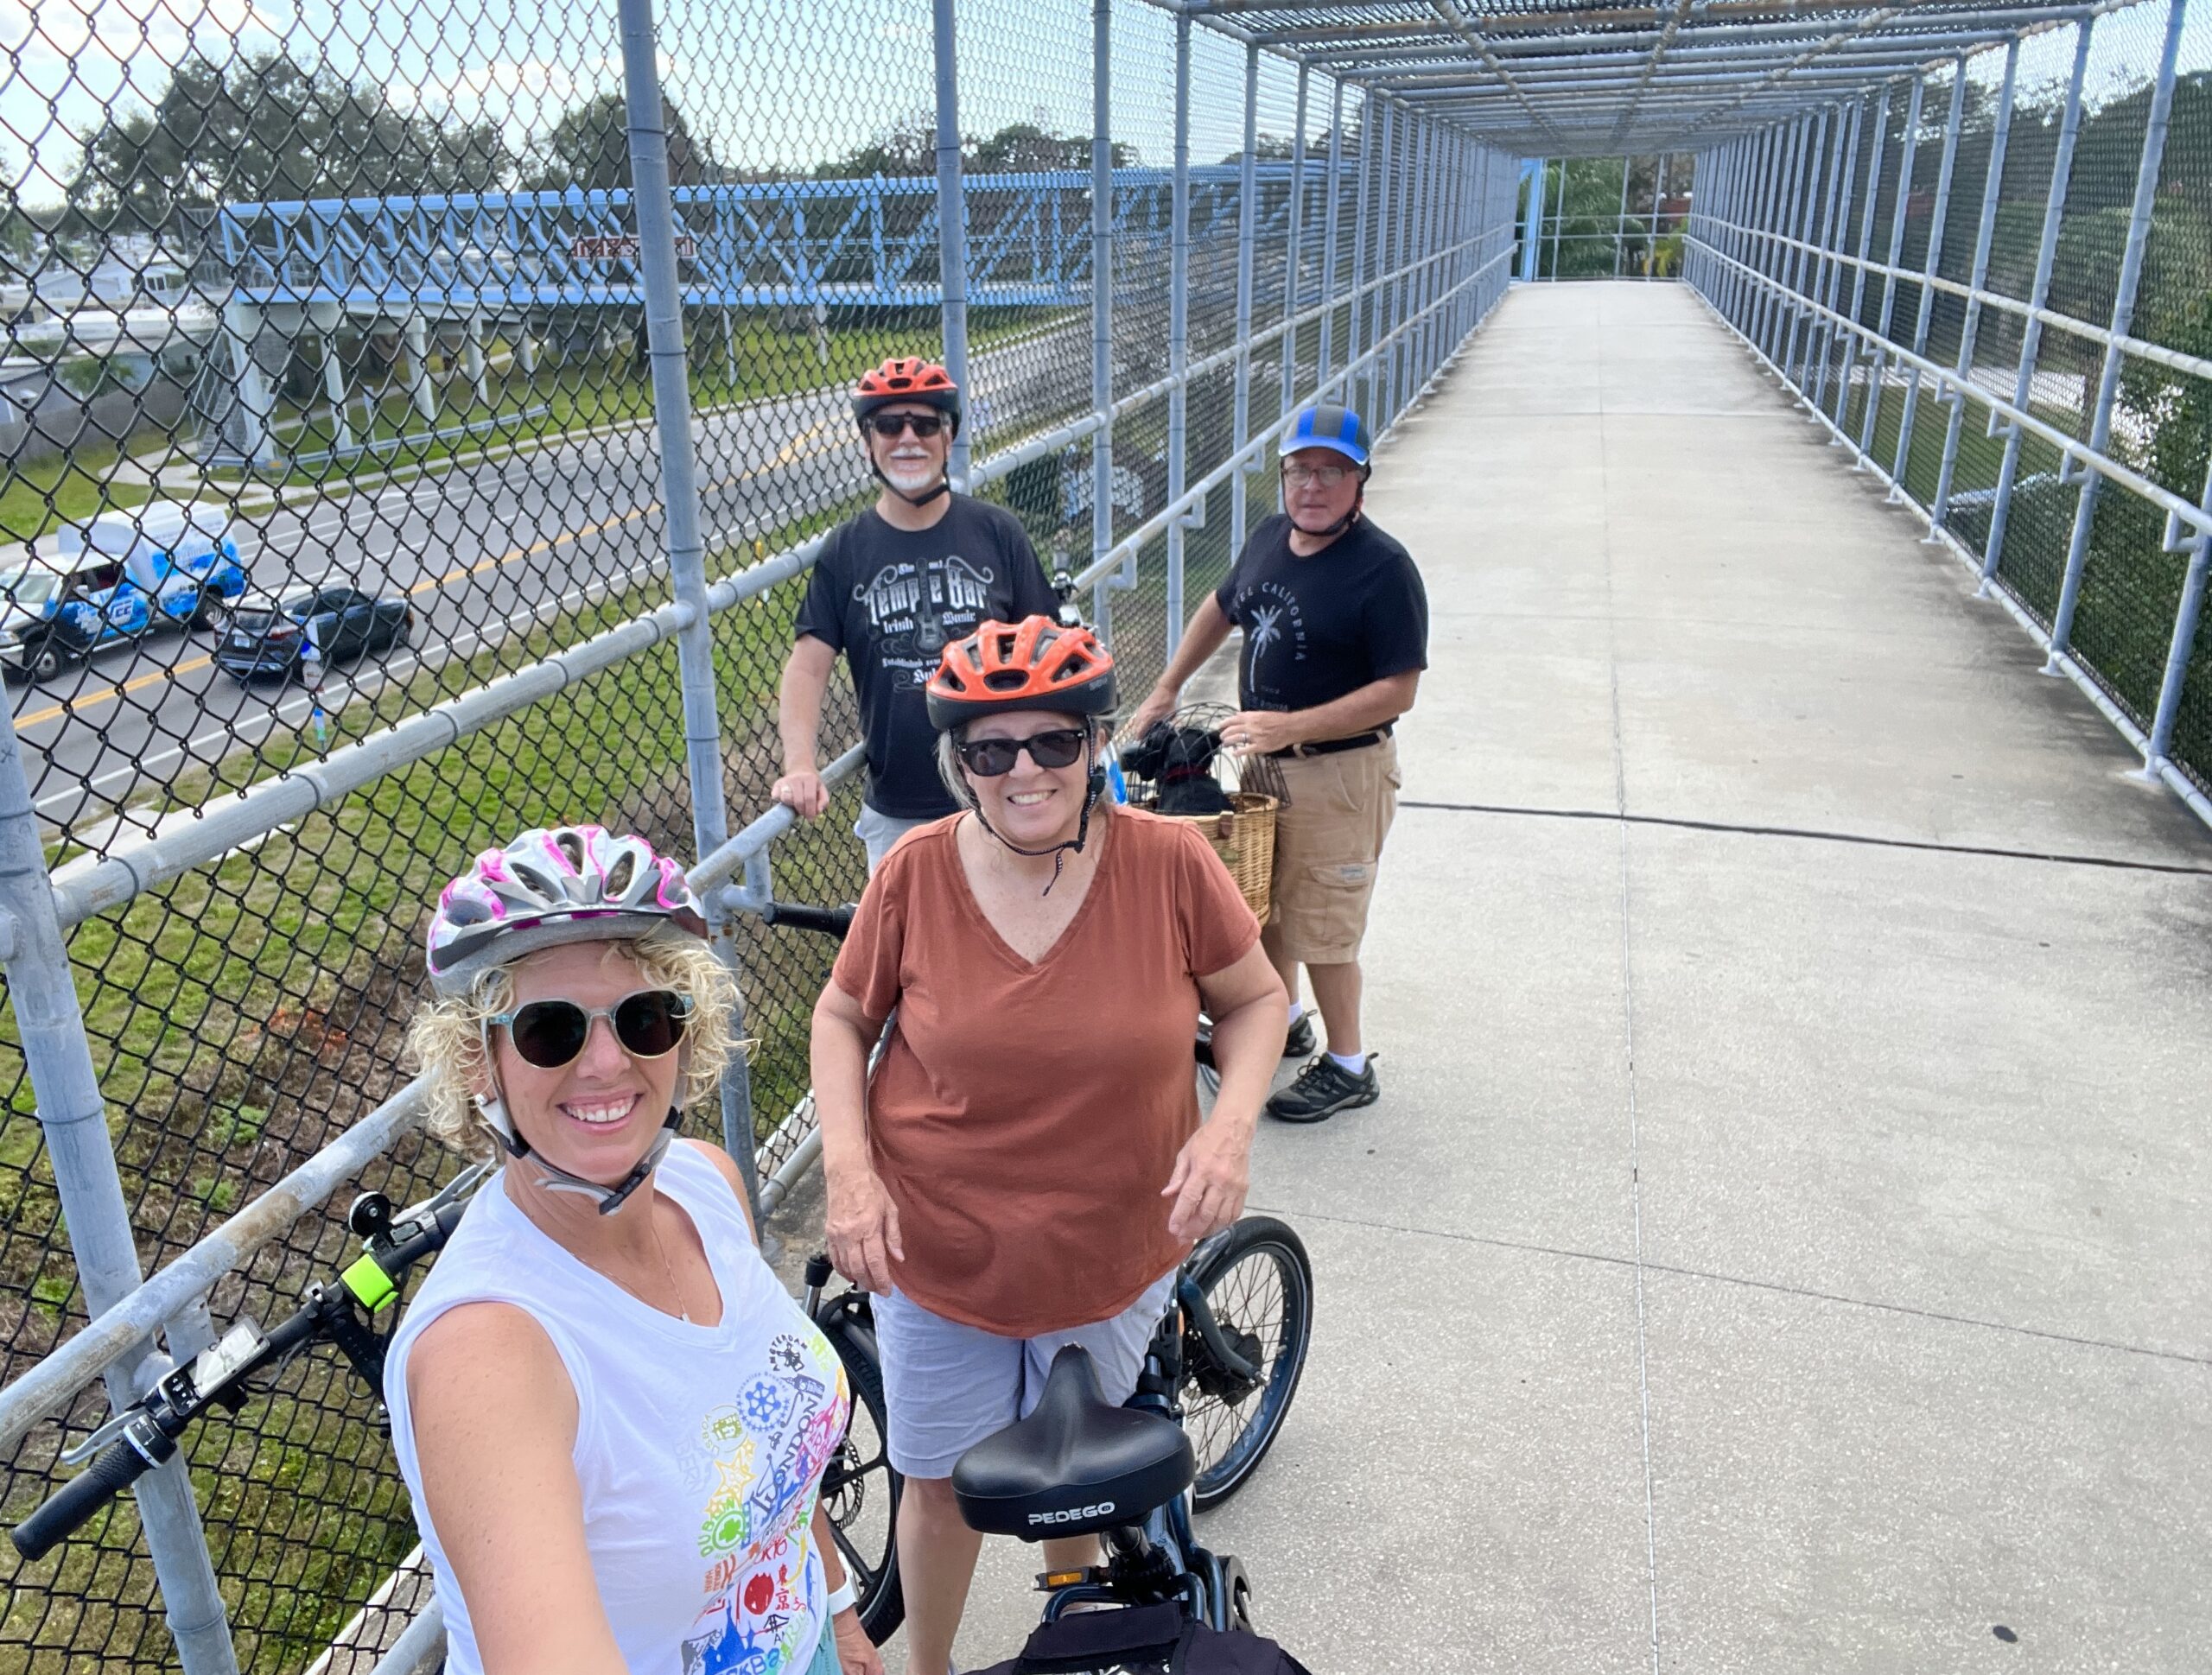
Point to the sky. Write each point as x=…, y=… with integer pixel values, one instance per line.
x=770, y=84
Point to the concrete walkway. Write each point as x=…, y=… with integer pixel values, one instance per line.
x=1775, y=1250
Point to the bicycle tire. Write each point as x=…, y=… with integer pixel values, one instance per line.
x=1280, y=1319
x=849, y=1484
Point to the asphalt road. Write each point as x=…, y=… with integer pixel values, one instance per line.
x=483, y=551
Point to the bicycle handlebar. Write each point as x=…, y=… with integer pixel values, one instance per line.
x=830, y=921
x=153, y=1424
x=119, y=1465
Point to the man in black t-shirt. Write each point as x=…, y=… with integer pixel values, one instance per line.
x=1336, y=636
x=892, y=586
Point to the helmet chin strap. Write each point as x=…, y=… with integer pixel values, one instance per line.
x=1058, y=851
x=554, y=1178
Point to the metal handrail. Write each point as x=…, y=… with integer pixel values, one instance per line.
x=1947, y=383
x=49, y=1384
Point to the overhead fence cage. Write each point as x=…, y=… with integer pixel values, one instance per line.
x=421, y=424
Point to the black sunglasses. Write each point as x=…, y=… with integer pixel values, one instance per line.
x=888, y=425
x=552, y=1033
x=992, y=757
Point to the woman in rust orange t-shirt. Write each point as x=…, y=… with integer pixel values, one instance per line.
x=1028, y=1166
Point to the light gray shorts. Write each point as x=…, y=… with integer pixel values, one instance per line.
x=946, y=1386
x=878, y=831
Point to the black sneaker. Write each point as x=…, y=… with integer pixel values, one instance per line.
x=1299, y=1043
x=1322, y=1089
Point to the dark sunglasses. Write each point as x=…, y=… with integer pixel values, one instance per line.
x=992, y=757
x=552, y=1033
x=888, y=425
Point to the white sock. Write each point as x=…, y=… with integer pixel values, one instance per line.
x=1351, y=1064
x=1297, y=1012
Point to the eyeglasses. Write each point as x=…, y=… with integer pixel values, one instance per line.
x=1328, y=476
x=552, y=1033
x=888, y=425
x=992, y=757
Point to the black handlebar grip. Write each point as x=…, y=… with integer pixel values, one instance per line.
x=114, y=1469
x=818, y=1271
x=831, y=920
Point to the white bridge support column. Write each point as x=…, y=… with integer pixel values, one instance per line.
x=246, y=428
x=417, y=368
x=478, y=379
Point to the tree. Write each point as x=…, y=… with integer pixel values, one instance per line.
x=905, y=148
x=268, y=129
x=589, y=147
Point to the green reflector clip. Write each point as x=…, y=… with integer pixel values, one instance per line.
x=371, y=1286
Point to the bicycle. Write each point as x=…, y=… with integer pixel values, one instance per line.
x=1223, y=1367
x=1220, y=1371
x=145, y=1434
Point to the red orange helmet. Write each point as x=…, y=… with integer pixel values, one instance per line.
x=1034, y=664
x=908, y=378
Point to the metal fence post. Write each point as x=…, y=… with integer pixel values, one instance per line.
x=1559, y=215
x=1831, y=280
x=1780, y=205
x=1840, y=152
x=1909, y=147
x=1402, y=187
x=687, y=553
x=1531, y=216
x=952, y=228
x=1293, y=236
x=2159, y=742
x=1379, y=325
x=1620, y=221
x=1247, y=227
x=1819, y=158
x=1795, y=187
x=1851, y=341
x=1763, y=191
x=1101, y=302
x=1328, y=236
x=73, y=1118
x=2054, y=211
x=1179, y=326
x=1901, y=464
x=2123, y=315
x=1984, y=233
x=1354, y=319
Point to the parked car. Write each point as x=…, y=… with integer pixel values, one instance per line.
x=269, y=636
x=166, y=565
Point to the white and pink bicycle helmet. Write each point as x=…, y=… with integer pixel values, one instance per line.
x=567, y=883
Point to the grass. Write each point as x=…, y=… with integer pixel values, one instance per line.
x=72, y=487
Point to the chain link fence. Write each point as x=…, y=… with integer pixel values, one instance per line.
x=1993, y=280
x=336, y=545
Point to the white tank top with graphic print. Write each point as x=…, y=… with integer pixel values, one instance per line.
x=700, y=1449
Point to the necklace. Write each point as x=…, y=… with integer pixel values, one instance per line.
x=666, y=1267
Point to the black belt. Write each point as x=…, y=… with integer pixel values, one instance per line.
x=1330, y=746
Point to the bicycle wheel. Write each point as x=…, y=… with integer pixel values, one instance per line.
x=860, y=1489
x=1259, y=1283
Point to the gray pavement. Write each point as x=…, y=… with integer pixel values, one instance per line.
x=1773, y=1251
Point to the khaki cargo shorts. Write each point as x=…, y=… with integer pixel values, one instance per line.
x=1328, y=842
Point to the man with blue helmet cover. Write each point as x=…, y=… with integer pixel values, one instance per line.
x=1336, y=635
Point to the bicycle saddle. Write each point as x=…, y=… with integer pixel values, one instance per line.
x=1076, y=1466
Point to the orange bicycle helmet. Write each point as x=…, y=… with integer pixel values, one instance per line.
x=1034, y=664
x=906, y=378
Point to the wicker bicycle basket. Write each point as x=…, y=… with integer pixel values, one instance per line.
x=1244, y=838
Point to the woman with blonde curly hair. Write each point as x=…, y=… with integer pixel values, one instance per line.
x=611, y=1417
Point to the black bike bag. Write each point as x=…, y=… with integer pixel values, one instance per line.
x=1144, y=1639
